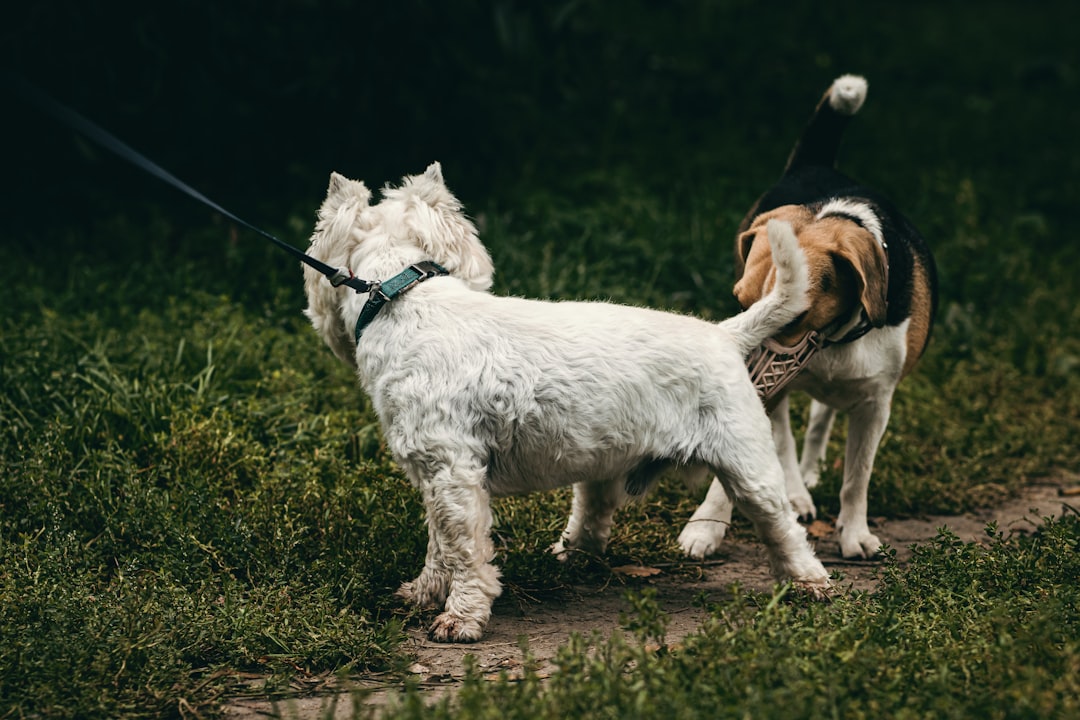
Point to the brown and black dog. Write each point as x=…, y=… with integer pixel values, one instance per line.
x=873, y=296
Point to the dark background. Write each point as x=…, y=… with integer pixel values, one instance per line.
x=253, y=100
x=254, y=103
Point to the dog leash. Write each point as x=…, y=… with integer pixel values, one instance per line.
x=75, y=121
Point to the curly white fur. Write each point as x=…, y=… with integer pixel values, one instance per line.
x=481, y=395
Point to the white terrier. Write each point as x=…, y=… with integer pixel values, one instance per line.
x=481, y=395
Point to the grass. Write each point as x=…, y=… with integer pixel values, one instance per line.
x=155, y=526
x=963, y=631
x=191, y=486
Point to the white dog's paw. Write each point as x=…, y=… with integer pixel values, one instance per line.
x=454, y=628
x=426, y=592
x=560, y=551
x=565, y=549
x=811, y=478
x=818, y=589
x=855, y=544
x=702, y=538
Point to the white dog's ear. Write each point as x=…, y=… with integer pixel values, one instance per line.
x=338, y=182
x=340, y=191
x=434, y=173
x=430, y=187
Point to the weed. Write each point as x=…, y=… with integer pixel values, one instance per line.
x=967, y=630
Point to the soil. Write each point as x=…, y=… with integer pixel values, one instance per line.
x=548, y=624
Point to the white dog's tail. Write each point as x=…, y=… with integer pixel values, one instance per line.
x=787, y=299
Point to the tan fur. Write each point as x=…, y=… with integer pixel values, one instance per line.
x=921, y=311
x=835, y=290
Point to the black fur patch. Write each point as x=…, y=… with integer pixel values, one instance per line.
x=814, y=185
x=647, y=471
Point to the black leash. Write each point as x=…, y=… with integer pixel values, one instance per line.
x=72, y=119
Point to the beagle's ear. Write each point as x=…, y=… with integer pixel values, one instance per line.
x=798, y=216
x=743, y=243
x=867, y=257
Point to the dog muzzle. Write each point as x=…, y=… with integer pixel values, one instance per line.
x=773, y=366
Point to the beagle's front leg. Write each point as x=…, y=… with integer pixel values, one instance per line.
x=798, y=495
x=816, y=441
x=866, y=426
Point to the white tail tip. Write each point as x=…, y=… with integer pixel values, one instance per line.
x=847, y=94
x=783, y=243
x=790, y=262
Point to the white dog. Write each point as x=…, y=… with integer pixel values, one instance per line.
x=481, y=395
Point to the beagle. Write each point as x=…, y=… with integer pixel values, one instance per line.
x=873, y=298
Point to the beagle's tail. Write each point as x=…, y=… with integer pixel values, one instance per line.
x=820, y=141
x=787, y=299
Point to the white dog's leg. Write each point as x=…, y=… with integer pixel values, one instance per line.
x=816, y=441
x=755, y=481
x=459, y=526
x=705, y=529
x=430, y=588
x=591, y=516
x=866, y=425
x=798, y=495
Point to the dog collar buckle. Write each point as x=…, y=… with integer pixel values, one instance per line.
x=376, y=292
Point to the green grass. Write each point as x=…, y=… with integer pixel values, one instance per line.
x=192, y=487
x=963, y=631
x=168, y=509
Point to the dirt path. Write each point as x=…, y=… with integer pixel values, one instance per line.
x=549, y=624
